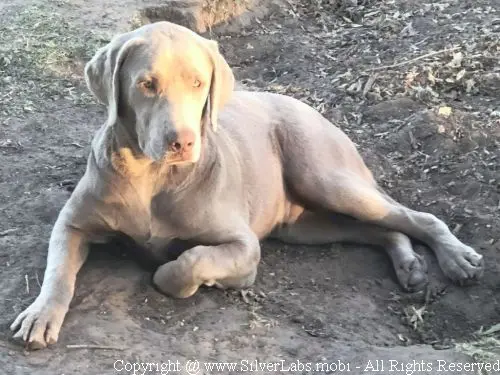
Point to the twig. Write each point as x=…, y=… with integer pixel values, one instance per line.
x=86, y=346
x=37, y=280
x=27, y=283
x=369, y=84
x=413, y=60
x=8, y=231
x=75, y=144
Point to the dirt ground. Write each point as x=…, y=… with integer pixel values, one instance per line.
x=417, y=87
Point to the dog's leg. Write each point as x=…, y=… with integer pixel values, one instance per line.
x=317, y=229
x=345, y=192
x=232, y=264
x=40, y=323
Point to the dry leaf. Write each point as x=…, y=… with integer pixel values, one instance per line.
x=490, y=331
x=460, y=75
x=410, y=78
x=457, y=60
x=431, y=77
x=469, y=84
x=444, y=111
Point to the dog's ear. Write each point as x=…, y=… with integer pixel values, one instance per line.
x=222, y=85
x=102, y=73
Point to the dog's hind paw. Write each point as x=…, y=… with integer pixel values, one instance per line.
x=412, y=274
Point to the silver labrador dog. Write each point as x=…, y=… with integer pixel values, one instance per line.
x=183, y=156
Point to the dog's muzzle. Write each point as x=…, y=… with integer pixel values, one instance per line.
x=180, y=145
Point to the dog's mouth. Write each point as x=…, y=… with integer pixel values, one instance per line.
x=173, y=158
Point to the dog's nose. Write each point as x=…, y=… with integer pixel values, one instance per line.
x=183, y=141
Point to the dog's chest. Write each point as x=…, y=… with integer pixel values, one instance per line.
x=146, y=229
x=149, y=211
x=139, y=219
x=154, y=221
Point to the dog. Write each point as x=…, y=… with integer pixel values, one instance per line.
x=184, y=156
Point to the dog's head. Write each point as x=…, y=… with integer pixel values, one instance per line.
x=164, y=81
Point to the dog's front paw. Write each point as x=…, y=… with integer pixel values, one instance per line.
x=176, y=279
x=461, y=264
x=242, y=282
x=39, y=325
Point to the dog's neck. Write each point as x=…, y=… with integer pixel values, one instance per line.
x=126, y=159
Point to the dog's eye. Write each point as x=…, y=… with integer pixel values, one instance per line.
x=148, y=85
x=196, y=83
